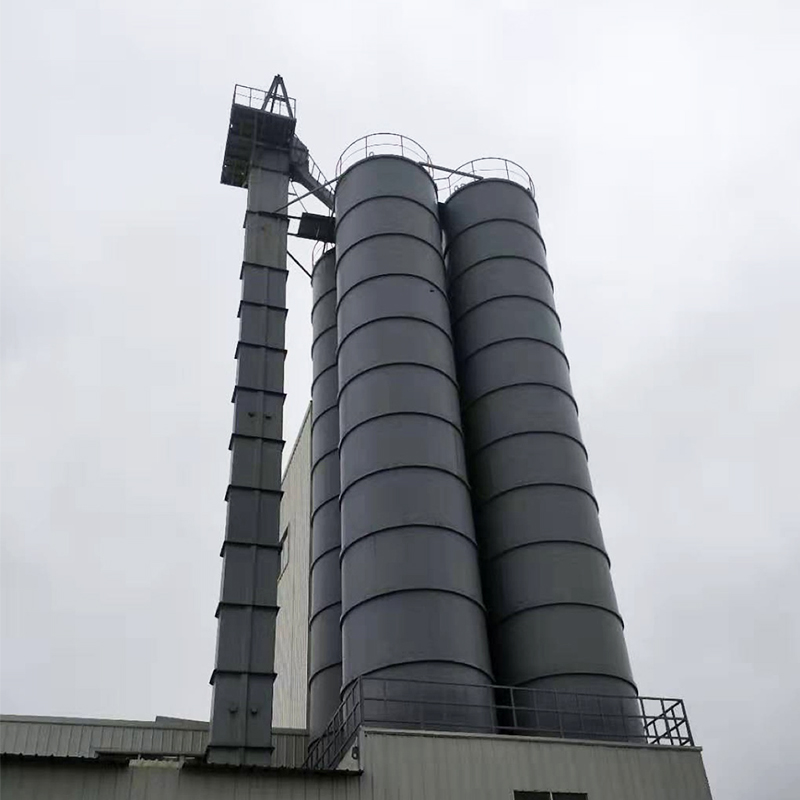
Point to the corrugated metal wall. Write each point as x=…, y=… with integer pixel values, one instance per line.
x=396, y=766
x=291, y=634
x=160, y=781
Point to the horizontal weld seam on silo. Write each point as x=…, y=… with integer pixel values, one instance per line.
x=466, y=406
x=578, y=543
x=321, y=360
x=535, y=485
x=344, y=252
x=315, y=418
x=317, y=672
x=372, y=197
x=319, y=334
x=396, y=467
x=504, y=181
x=558, y=350
x=530, y=433
x=322, y=372
x=546, y=675
x=384, y=275
x=386, y=157
x=325, y=502
x=319, y=611
x=452, y=239
x=319, y=458
x=460, y=274
x=377, y=320
x=515, y=296
x=320, y=556
x=385, y=414
x=389, y=528
x=322, y=297
x=411, y=590
x=420, y=364
x=502, y=619
x=476, y=667
x=316, y=461
x=334, y=406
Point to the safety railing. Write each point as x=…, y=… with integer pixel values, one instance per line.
x=381, y=143
x=448, y=181
x=428, y=705
x=264, y=101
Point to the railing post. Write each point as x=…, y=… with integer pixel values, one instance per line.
x=514, y=723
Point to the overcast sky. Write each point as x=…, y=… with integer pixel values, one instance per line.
x=664, y=140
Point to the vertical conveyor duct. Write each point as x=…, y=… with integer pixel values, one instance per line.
x=412, y=606
x=553, y=616
x=257, y=157
x=324, y=636
x=243, y=677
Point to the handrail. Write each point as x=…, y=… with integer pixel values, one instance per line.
x=480, y=168
x=250, y=97
x=381, y=143
x=432, y=705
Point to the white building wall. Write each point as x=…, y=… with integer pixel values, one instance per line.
x=291, y=635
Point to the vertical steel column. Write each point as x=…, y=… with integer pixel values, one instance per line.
x=411, y=597
x=324, y=635
x=553, y=616
x=241, y=714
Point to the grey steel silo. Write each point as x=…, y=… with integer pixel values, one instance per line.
x=553, y=616
x=412, y=606
x=324, y=637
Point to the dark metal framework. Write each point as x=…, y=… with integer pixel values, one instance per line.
x=258, y=119
x=659, y=721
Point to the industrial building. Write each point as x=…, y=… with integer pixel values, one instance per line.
x=421, y=606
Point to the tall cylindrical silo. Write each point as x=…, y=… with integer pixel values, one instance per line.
x=412, y=608
x=553, y=616
x=324, y=638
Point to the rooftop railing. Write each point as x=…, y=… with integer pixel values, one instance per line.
x=262, y=100
x=426, y=705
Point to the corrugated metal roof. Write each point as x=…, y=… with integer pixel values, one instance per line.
x=71, y=737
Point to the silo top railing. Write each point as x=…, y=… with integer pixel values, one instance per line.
x=382, y=143
x=480, y=168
